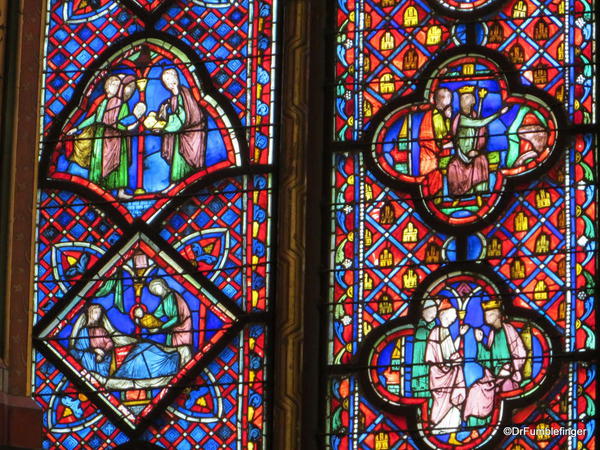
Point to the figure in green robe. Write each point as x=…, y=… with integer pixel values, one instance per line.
x=184, y=126
x=175, y=312
x=469, y=169
x=420, y=369
x=103, y=144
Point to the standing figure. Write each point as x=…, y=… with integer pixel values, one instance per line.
x=105, y=149
x=502, y=355
x=446, y=378
x=434, y=138
x=469, y=169
x=184, y=124
x=420, y=369
x=178, y=323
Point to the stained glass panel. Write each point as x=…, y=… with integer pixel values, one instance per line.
x=461, y=308
x=153, y=284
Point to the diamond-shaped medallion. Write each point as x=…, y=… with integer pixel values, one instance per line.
x=134, y=329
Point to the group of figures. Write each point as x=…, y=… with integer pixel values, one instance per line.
x=146, y=359
x=462, y=379
x=102, y=138
x=468, y=170
x=461, y=360
x=469, y=136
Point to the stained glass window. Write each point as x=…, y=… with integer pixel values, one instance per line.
x=152, y=284
x=461, y=306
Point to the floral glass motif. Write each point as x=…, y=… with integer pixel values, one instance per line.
x=434, y=257
x=152, y=285
x=84, y=10
x=149, y=4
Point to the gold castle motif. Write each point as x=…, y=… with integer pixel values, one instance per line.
x=367, y=109
x=433, y=254
x=387, y=215
x=541, y=31
x=521, y=222
x=368, y=238
x=382, y=441
x=496, y=35
x=387, y=41
x=411, y=17
x=540, y=291
x=410, y=233
x=542, y=243
x=517, y=270
x=542, y=199
x=386, y=258
x=468, y=69
x=384, y=304
x=540, y=74
x=410, y=279
x=519, y=10
x=517, y=54
x=434, y=35
x=367, y=282
x=494, y=248
x=386, y=84
x=410, y=60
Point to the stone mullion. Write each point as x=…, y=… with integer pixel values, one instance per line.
x=24, y=35
x=296, y=407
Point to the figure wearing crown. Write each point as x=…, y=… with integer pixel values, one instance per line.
x=501, y=355
x=468, y=172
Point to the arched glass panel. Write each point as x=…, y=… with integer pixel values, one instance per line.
x=461, y=308
x=153, y=287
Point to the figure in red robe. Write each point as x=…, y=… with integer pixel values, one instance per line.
x=434, y=137
x=533, y=142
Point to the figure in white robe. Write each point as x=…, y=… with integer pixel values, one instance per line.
x=446, y=378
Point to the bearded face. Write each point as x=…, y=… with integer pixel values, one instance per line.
x=171, y=80
x=111, y=87
x=467, y=102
